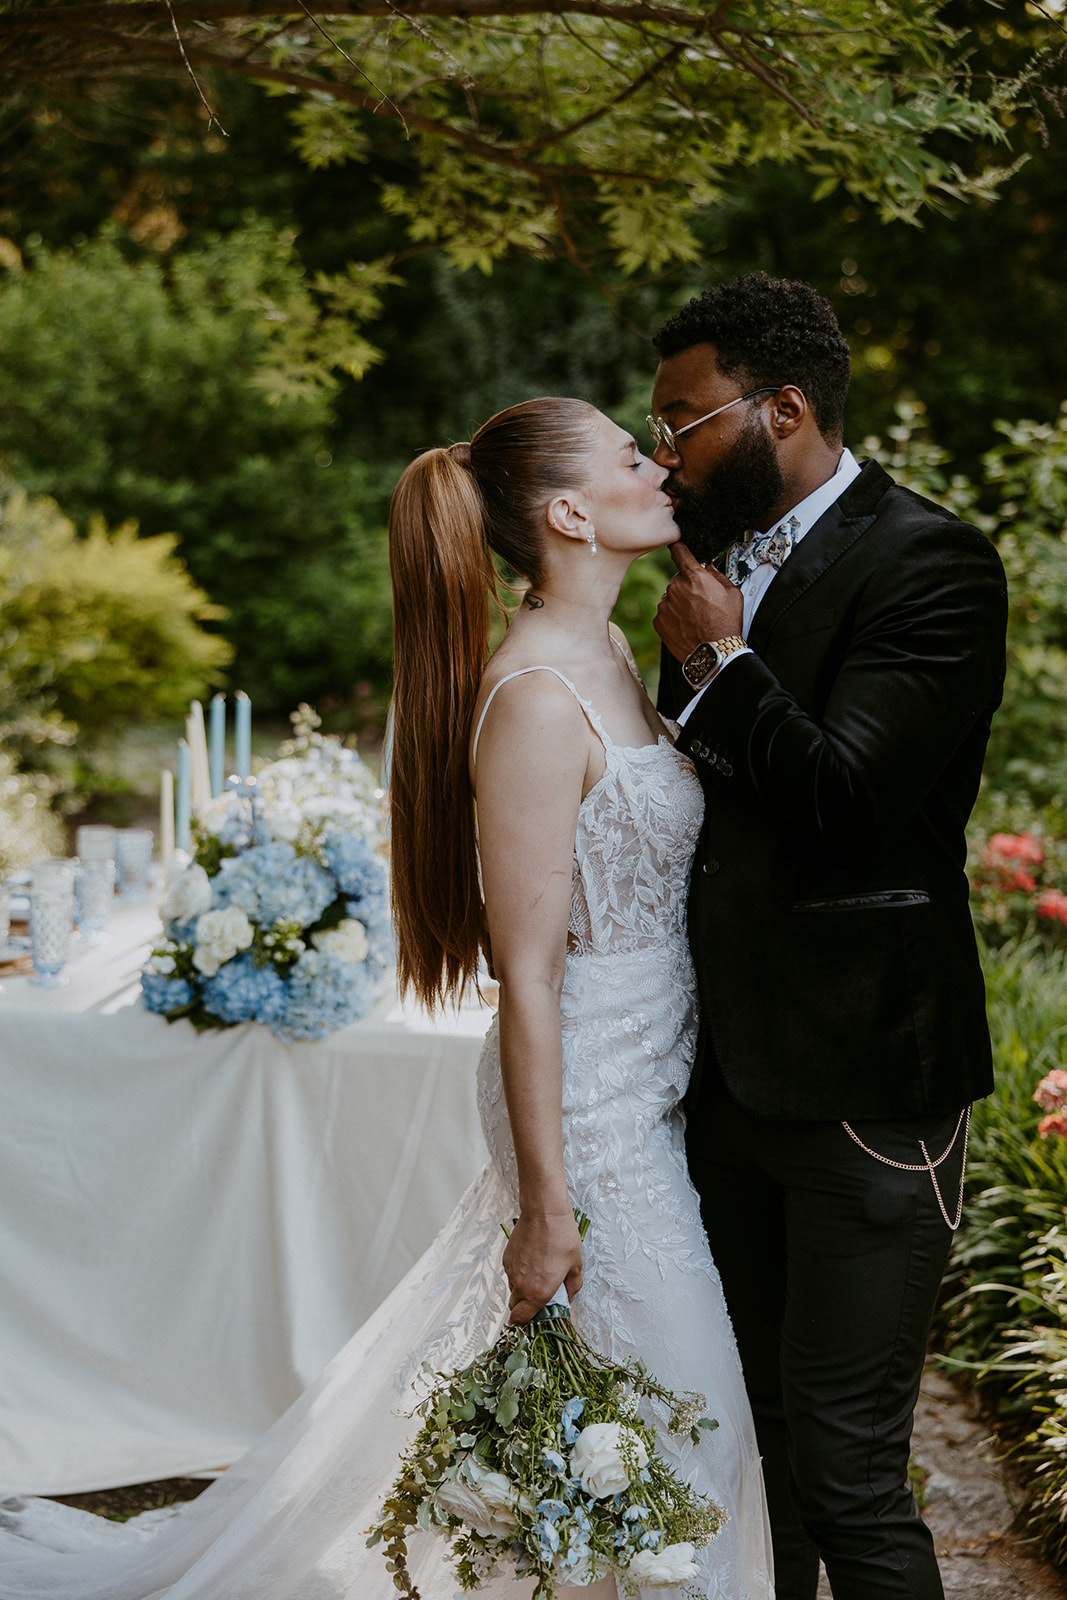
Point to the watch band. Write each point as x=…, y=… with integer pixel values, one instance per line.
x=700, y=664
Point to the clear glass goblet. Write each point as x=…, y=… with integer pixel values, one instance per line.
x=54, y=875
x=51, y=925
x=95, y=842
x=133, y=858
x=95, y=896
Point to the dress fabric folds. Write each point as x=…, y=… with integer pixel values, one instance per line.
x=289, y=1520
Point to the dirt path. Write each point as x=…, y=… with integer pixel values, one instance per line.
x=971, y=1505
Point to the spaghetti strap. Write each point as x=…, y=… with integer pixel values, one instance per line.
x=591, y=716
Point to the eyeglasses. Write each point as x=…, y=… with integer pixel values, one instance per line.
x=663, y=433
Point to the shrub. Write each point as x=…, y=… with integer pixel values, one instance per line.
x=97, y=632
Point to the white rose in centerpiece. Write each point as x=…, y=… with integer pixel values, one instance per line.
x=664, y=1569
x=598, y=1458
x=348, y=941
x=187, y=896
x=219, y=936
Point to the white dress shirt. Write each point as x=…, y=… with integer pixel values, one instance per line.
x=755, y=586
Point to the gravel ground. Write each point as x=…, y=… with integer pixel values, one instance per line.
x=970, y=1504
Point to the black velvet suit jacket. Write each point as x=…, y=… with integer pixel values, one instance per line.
x=828, y=910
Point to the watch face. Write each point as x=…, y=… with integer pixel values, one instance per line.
x=700, y=664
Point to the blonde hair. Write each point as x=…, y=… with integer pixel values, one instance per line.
x=449, y=510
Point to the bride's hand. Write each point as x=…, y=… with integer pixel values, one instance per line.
x=542, y=1252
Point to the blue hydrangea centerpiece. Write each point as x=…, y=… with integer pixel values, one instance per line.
x=282, y=916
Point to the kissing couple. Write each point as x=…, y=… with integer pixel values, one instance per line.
x=741, y=1015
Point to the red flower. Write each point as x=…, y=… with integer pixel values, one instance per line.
x=1056, y=1123
x=1052, y=1091
x=1017, y=847
x=1052, y=903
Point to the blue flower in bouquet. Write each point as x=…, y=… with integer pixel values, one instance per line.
x=271, y=883
x=162, y=993
x=242, y=992
x=571, y=1412
x=323, y=993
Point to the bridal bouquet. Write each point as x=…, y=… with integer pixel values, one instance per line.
x=282, y=917
x=535, y=1455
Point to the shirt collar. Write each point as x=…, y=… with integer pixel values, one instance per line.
x=809, y=510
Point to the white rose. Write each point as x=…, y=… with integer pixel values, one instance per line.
x=455, y=1499
x=675, y=1564
x=482, y=1499
x=348, y=941
x=187, y=896
x=597, y=1458
x=499, y=1493
x=219, y=936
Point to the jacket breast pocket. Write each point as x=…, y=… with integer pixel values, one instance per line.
x=877, y=900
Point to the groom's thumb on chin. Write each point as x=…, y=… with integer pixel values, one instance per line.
x=683, y=557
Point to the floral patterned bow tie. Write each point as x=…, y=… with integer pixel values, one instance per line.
x=761, y=548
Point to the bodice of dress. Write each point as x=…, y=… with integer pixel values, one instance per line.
x=637, y=830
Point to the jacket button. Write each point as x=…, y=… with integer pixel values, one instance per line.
x=711, y=866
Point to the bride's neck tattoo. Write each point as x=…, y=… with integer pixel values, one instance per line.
x=534, y=601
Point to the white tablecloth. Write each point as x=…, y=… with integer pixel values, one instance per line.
x=191, y=1226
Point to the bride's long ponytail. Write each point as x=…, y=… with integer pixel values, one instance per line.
x=448, y=508
x=442, y=576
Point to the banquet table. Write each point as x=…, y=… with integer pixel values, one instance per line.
x=191, y=1225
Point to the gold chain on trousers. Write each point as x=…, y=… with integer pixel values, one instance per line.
x=926, y=1165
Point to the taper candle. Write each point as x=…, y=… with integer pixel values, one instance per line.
x=242, y=735
x=166, y=818
x=182, y=829
x=197, y=737
x=217, y=746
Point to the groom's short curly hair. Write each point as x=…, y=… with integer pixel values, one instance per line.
x=769, y=331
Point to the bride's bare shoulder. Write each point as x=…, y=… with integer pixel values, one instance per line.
x=528, y=713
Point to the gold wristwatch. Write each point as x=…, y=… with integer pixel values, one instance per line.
x=700, y=664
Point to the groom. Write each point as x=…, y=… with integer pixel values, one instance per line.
x=836, y=683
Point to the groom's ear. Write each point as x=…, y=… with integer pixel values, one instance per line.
x=566, y=514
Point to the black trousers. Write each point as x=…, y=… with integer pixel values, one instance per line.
x=830, y=1264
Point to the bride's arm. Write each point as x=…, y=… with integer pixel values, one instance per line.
x=533, y=755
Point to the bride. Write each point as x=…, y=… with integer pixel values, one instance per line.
x=576, y=881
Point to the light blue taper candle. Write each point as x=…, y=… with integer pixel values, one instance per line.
x=183, y=836
x=217, y=746
x=242, y=735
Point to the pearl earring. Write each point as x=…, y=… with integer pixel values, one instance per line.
x=591, y=537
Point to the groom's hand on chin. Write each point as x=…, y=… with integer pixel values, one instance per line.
x=699, y=604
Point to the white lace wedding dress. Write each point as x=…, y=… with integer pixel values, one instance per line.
x=289, y=1520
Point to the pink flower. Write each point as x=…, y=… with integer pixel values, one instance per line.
x=1022, y=880
x=1052, y=903
x=1055, y=1123
x=1016, y=846
x=1052, y=1090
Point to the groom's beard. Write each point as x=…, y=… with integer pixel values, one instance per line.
x=738, y=495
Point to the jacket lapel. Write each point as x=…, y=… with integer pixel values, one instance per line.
x=835, y=532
